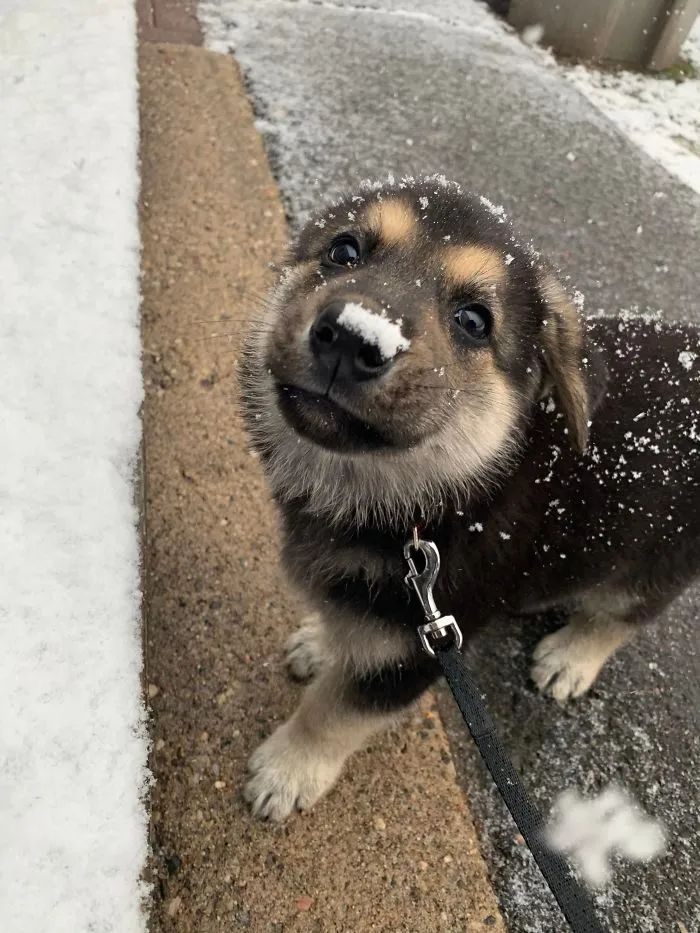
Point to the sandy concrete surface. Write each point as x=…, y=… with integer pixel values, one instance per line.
x=393, y=847
x=173, y=21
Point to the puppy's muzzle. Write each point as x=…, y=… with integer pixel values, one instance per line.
x=342, y=353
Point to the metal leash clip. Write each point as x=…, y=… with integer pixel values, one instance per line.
x=423, y=582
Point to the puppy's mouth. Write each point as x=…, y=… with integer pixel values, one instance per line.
x=325, y=422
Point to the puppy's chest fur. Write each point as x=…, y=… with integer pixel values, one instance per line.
x=490, y=562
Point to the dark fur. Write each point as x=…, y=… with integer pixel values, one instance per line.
x=608, y=527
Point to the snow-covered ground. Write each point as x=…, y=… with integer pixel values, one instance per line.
x=72, y=733
x=660, y=115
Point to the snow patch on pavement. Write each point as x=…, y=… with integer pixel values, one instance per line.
x=217, y=16
x=660, y=115
x=375, y=329
x=73, y=742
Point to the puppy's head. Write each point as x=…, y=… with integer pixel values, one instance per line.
x=402, y=354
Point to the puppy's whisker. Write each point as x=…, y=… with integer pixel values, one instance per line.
x=242, y=312
x=462, y=389
x=230, y=319
x=245, y=324
x=437, y=370
x=260, y=328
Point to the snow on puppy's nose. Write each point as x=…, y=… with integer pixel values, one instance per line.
x=354, y=343
x=375, y=329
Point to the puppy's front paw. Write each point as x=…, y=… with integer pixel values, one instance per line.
x=562, y=667
x=288, y=775
x=304, y=651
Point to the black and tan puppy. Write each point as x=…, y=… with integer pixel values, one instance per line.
x=420, y=364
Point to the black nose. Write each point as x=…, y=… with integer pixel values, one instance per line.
x=347, y=339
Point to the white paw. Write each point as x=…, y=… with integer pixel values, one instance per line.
x=287, y=775
x=304, y=651
x=564, y=666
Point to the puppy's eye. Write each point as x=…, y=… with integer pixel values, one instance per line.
x=344, y=251
x=475, y=320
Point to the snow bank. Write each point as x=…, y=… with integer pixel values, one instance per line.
x=72, y=735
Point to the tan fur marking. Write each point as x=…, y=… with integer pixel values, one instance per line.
x=295, y=273
x=393, y=221
x=359, y=645
x=303, y=758
x=474, y=265
x=306, y=649
x=563, y=339
x=486, y=434
x=568, y=661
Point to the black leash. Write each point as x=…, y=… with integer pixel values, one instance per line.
x=572, y=897
x=441, y=637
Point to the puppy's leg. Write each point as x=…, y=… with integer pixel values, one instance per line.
x=568, y=661
x=307, y=648
x=302, y=759
x=338, y=713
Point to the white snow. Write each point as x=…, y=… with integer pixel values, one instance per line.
x=687, y=358
x=497, y=210
x=377, y=329
x=73, y=744
x=531, y=35
x=660, y=115
x=590, y=831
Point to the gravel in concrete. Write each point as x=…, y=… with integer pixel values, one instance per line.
x=393, y=847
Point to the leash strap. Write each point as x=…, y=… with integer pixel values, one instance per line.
x=441, y=638
x=573, y=899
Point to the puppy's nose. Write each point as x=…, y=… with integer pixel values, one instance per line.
x=356, y=341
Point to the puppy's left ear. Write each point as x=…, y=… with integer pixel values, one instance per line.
x=563, y=343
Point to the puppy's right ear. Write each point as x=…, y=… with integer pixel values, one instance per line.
x=563, y=353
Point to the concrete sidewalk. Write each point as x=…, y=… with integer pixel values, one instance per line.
x=393, y=847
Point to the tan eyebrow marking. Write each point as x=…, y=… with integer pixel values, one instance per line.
x=393, y=221
x=473, y=265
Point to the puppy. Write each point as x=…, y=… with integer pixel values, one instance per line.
x=419, y=364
